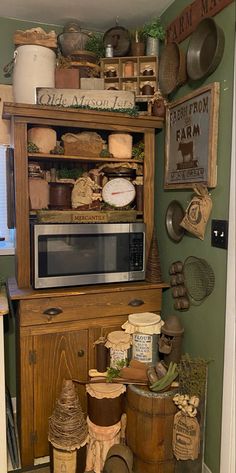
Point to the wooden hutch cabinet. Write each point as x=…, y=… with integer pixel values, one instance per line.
x=57, y=328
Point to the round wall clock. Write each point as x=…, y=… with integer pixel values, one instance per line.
x=118, y=192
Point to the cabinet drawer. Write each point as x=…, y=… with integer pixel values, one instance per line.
x=88, y=306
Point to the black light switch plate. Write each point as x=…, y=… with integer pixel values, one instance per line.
x=219, y=233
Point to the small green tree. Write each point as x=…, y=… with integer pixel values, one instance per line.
x=154, y=29
x=95, y=44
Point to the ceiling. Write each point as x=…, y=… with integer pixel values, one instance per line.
x=91, y=14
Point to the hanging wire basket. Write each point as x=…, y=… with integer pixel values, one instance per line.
x=199, y=279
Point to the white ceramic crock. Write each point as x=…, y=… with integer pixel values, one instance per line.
x=34, y=66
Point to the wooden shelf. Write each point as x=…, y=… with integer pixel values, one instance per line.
x=42, y=156
x=72, y=117
x=27, y=115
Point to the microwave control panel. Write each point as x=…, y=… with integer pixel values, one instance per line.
x=136, y=252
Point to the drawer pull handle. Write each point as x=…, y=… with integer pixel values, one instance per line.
x=52, y=311
x=136, y=302
x=81, y=353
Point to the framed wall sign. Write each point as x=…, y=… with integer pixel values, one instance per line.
x=191, y=139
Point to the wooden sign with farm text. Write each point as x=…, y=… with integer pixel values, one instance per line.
x=99, y=99
x=191, y=139
x=187, y=21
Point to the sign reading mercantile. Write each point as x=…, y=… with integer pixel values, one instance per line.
x=100, y=99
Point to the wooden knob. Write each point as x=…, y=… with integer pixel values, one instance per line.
x=52, y=311
x=136, y=302
x=81, y=353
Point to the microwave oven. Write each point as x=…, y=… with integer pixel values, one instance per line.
x=86, y=253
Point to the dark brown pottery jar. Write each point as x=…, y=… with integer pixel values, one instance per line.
x=158, y=108
x=137, y=48
x=148, y=71
x=147, y=89
x=111, y=73
x=60, y=195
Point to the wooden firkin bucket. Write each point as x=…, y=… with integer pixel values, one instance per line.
x=150, y=429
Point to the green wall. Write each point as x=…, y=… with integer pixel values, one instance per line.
x=204, y=324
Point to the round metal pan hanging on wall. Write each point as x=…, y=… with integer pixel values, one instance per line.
x=205, y=49
x=174, y=215
x=119, y=38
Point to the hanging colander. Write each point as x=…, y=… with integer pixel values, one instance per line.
x=199, y=279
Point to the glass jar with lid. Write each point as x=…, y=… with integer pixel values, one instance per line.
x=148, y=70
x=111, y=72
x=128, y=69
x=118, y=343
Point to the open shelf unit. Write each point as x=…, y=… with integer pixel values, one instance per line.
x=130, y=73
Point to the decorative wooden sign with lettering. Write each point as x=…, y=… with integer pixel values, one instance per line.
x=187, y=21
x=191, y=139
x=99, y=99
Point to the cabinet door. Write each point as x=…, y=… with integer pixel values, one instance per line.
x=58, y=356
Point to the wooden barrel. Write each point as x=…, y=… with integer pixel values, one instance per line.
x=149, y=429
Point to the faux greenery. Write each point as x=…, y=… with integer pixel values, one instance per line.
x=192, y=375
x=95, y=44
x=154, y=29
x=58, y=149
x=133, y=112
x=32, y=148
x=138, y=151
x=114, y=372
x=65, y=173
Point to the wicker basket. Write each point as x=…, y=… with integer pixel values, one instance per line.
x=172, y=69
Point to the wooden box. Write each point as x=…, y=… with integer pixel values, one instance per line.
x=67, y=78
x=92, y=83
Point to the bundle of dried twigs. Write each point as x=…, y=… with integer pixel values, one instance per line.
x=67, y=425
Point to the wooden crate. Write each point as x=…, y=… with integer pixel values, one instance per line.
x=67, y=78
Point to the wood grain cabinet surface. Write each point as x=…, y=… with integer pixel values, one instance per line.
x=55, y=341
x=57, y=328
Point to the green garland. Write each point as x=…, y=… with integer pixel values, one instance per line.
x=133, y=112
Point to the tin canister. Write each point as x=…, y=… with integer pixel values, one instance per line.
x=145, y=347
x=109, y=50
x=145, y=329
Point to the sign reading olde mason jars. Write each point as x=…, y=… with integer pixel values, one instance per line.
x=191, y=139
x=98, y=99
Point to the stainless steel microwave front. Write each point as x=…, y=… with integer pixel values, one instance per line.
x=55, y=238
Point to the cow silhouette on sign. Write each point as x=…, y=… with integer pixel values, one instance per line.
x=186, y=149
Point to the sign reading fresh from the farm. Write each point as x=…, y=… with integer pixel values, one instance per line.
x=191, y=139
x=99, y=99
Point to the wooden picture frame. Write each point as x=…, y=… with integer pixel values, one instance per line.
x=191, y=139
